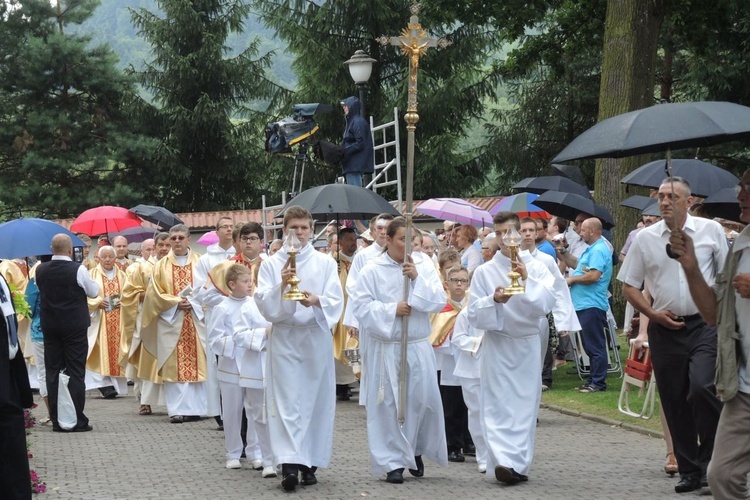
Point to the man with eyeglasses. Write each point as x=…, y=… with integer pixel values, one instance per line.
x=683, y=345
x=729, y=308
x=215, y=254
x=173, y=328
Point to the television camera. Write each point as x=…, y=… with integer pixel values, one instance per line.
x=295, y=130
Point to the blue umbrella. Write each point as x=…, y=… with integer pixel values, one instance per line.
x=26, y=237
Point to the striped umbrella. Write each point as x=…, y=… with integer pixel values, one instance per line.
x=521, y=204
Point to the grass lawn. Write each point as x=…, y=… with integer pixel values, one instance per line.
x=603, y=404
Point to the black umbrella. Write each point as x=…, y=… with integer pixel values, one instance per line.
x=539, y=185
x=639, y=202
x=704, y=178
x=157, y=215
x=724, y=204
x=660, y=128
x=341, y=201
x=569, y=205
x=572, y=172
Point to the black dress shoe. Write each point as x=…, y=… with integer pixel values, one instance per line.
x=704, y=481
x=290, y=481
x=308, y=475
x=191, y=418
x=176, y=419
x=509, y=476
x=419, y=471
x=108, y=392
x=396, y=476
x=82, y=428
x=455, y=456
x=470, y=450
x=687, y=484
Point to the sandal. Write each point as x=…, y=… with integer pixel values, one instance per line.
x=144, y=410
x=45, y=421
x=670, y=466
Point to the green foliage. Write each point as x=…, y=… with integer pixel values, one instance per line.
x=205, y=161
x=453, y=83
x=64, y=139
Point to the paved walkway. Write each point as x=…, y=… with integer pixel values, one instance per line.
x=139, y=457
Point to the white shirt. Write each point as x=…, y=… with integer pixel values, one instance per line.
x=83, y=278
x=648, y=261
x=742, y=308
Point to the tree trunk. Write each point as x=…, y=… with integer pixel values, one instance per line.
x=630, y=42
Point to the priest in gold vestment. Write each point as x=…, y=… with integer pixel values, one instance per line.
x=173, y=329
x=347, y=246
x=140, y=364
x=103, y=369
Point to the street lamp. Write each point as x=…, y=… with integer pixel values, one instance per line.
x=360, y=69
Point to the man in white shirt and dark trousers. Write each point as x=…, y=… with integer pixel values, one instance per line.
x=63, y=288
x=683, y=346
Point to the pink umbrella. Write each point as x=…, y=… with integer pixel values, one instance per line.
x=456, y=210
x=208, y=239
x=105, y=219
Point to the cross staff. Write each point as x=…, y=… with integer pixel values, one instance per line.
x=414, y=43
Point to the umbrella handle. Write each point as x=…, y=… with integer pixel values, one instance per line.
x=671, y=254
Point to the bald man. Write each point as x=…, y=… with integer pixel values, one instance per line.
x=120, y=243
x=588, y=288
x=63, y=288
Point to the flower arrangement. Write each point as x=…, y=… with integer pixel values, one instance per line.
x=29, y=422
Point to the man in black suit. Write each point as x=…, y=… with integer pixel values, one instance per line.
x=15, y=395
x=63, y=288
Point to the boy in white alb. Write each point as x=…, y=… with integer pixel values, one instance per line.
x=237, y=334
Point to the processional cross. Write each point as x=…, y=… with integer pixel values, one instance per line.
x=414, y=43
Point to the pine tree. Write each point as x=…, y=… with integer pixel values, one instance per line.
x=65, y=142
x=207, y=158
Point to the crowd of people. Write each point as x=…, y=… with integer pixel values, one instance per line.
x=217, y=335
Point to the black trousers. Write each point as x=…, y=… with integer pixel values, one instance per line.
x=66, y=350
x=14, y=462
x=456, y=416
x=549, y=360
x=684, y=364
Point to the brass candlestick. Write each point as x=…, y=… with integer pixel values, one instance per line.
x=292, y=247
x=512, y=239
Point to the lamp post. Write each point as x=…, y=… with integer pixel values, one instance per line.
x=360, y=69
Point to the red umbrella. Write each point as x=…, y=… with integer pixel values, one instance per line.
x=105, y=219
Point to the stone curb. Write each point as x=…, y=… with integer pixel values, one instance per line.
x=602, y=420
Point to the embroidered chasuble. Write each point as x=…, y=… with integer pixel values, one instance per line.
x=443, y=322
x=123, y=266
x=177, y=337
x=104, y=332
x=340, y=335
x=131, y=348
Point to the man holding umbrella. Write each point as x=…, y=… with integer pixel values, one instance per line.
x=730, y=463
x=683, y=345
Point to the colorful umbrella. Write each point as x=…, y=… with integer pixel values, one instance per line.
x=522, y=204
x=27, y=237
x=456, y=210
x=105, y=219
x=209, y=238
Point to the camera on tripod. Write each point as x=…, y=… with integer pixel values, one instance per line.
x=295, y=129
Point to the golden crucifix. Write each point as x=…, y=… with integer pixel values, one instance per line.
x=414, y=43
